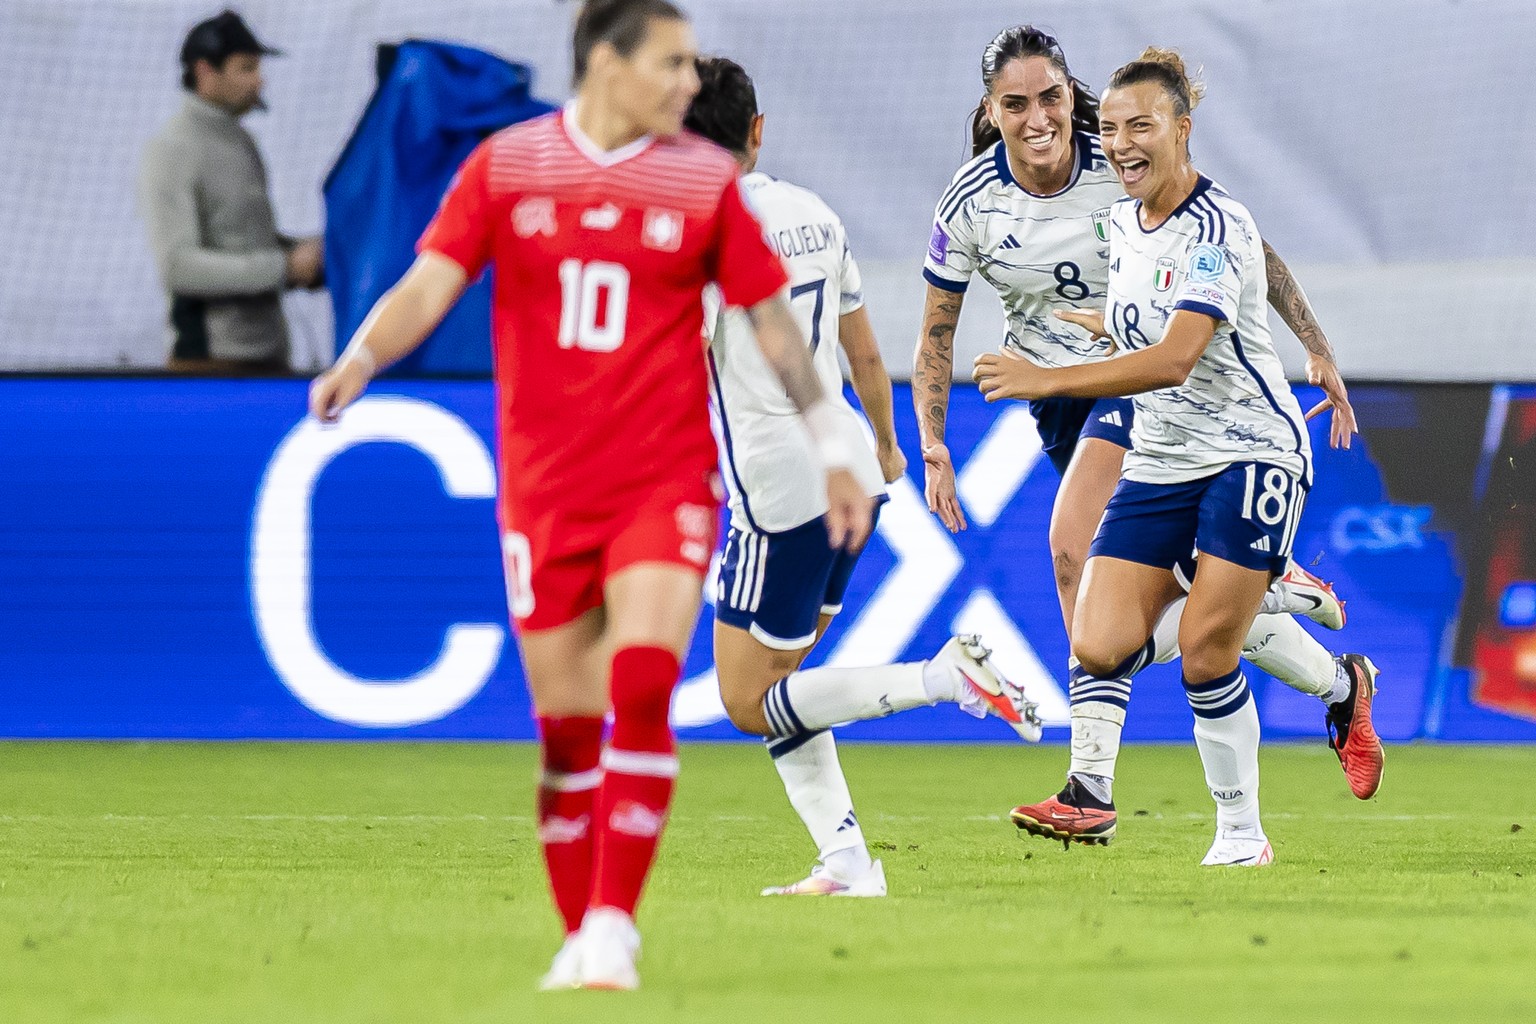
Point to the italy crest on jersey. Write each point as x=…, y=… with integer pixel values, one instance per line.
x=1162, y=276
x=1101, y=224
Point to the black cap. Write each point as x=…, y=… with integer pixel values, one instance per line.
x=217, y=38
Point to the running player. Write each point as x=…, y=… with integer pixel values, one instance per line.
x=1030, y=214
x=1220, y=462
x=604, y=222
x=781, y=580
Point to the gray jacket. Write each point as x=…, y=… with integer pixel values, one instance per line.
x=203, y=192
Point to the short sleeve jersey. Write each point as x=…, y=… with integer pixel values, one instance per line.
x=600, y=260
x=1236, y=406
x=1040, y=253
x=775, y=480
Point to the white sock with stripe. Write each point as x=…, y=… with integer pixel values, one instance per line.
x=1227, y=736
x=819, y=698
x=813, y=781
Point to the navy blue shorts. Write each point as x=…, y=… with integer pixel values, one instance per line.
x=1246, y=514
x=777, y=586
x=1062, y=422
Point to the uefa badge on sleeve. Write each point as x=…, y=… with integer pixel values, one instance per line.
x=1162, y=277
x=663, y=230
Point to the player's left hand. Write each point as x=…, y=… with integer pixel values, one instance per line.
x=893, y=464
x=1324, y=374
x=850, y=512
x=1004, y=375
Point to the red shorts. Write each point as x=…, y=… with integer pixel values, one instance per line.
x=557, y=561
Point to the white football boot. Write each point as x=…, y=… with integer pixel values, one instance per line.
x=983, y=690
x=1299, y=592
x=821, y=883
x=565, y=971
x=610, y=946
x=1239, y=848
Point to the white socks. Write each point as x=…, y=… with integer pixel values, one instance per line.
x=1098, y=715
x=819, y=698
x=1227, y=736
x=813, y=780
x=1278, y=645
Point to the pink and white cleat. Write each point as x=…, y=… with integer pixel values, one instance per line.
x=983, y=690
x=1299, y=592
x=821, y=883
x=1239, y=848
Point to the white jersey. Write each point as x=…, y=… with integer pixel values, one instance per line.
x=1041, y=253
x=775, y=478
x=1236, y=405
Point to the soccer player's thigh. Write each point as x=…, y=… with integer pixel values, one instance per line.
x=654, y=568
x=1248, y=519
x=1080, y=500
x=1128, y=580
x=769, y=604
x=556, y=601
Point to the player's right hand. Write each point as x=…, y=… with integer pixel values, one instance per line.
x=335, y=389
x=850, y=512
x=939, y=487
x=1090, y=320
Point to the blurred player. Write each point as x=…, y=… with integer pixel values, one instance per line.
x=1221, y=461
x=604, y=222
x=781, y=577
x=1030, y=215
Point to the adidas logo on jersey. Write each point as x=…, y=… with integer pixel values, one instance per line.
x=1112, y=418
x=1010, y=243
x=1262, y=544
x=848, y=822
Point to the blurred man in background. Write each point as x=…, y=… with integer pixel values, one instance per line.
x=203, y=191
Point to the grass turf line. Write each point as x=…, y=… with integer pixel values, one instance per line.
x=401, y=882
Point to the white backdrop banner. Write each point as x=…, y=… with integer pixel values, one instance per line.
x=1385, y=148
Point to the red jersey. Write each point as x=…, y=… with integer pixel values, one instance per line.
x=599, y=261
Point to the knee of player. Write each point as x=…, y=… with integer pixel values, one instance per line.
x=1099, y=658
x=746, y=712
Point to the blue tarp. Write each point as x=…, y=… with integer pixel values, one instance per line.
x=434, y=104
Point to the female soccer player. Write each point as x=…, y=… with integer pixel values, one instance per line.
x=604, y=222
x=1221, y=461
x=1030, y=215
x=781, y=579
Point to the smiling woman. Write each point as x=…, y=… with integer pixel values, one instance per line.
x=1220, y=463
x=1031, y=215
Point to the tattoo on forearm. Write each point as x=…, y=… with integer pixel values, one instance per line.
x=935, y=367
x=1291, y=303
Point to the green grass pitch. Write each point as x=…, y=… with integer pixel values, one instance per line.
x=400, y=882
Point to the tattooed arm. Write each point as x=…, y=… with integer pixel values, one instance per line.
x=1290, y=302
x=933, y=369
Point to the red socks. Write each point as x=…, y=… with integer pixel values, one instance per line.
x=566, y=789
x=639, y=769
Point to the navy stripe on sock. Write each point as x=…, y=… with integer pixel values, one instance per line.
x=1136, y=662
x=1085, y=687
x=779, y=747
x=782, y=686
x=775, y=715
x=1220, y=697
